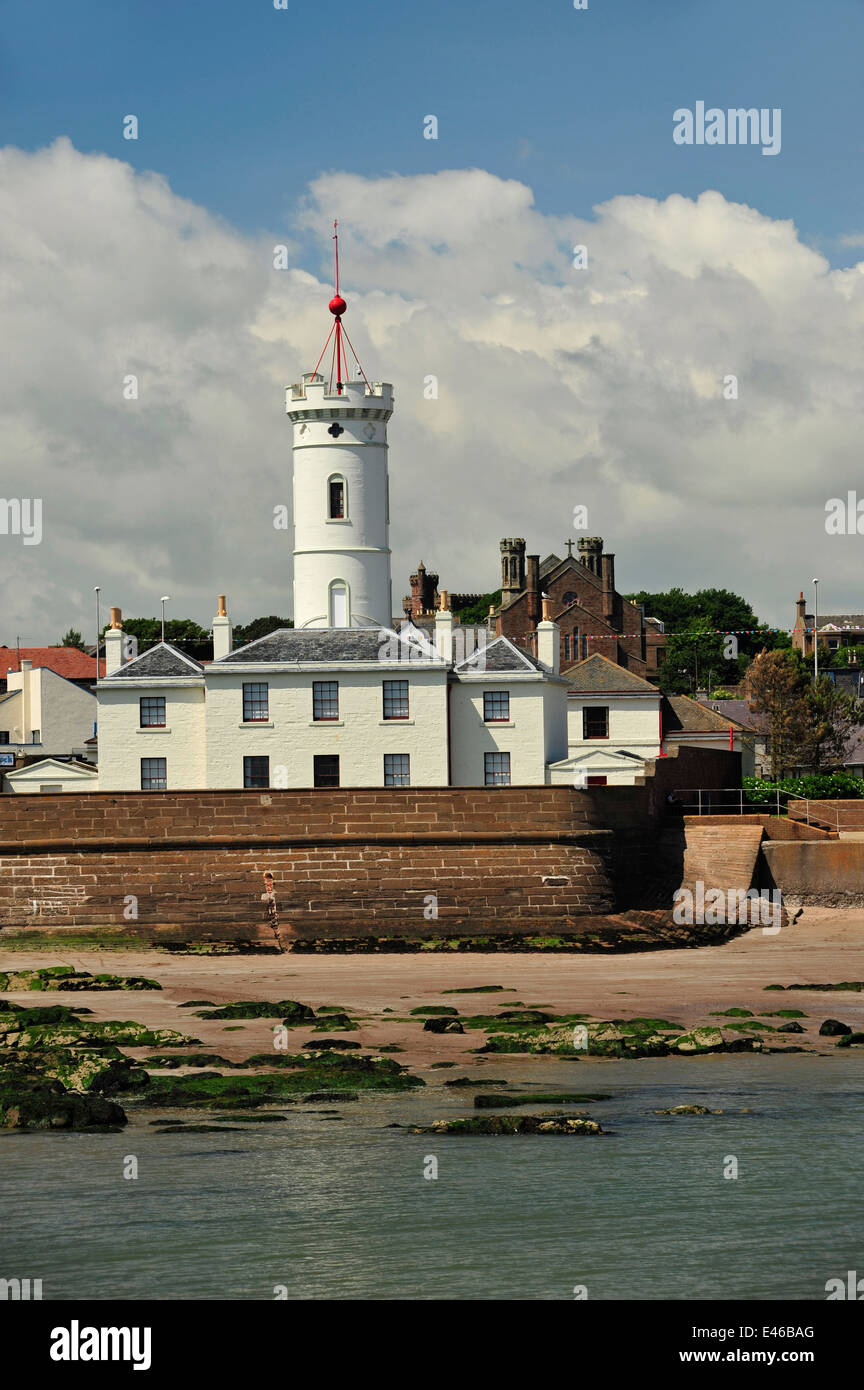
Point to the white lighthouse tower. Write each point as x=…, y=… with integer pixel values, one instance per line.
x=341, y=492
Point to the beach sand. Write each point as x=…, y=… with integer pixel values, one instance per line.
x=824, y=945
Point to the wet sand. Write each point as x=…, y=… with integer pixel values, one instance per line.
x=824, y=945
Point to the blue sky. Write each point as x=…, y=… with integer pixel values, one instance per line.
x=604, y=384
x=240, y=105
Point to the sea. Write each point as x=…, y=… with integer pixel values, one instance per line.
x=343, y=1201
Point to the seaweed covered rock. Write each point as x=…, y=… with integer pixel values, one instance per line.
x=554, y=1122
x=105, y=1072
x=851, y=1040
x=63, y=977
x=16, y=1033
x=688, y=1110
x=289, y=1010
x=334, y=1022
x=167, y=1061
x=443, y=1025
x=620, y=1038
x=297, y=1075
x=503, y=1102
x=833, y=1028
x=23, y=1017
x=47, y=1104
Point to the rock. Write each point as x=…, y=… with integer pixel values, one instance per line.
x=437, y=1009
x=443, y=1025
x=327, y=1097
x=472, y=1081
x=524, y=1016
x=603, y=1033
x=331, y=1044
x=833, y=1028
x=851, y=1040
x=792, y=1027
x=62, y=977
x=501, y=1102
x=49, y=1106
x=703, y=1040
x=552, y=1123
x=689, y=1110
x=289, y=1010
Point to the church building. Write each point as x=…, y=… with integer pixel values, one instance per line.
x=348, y=696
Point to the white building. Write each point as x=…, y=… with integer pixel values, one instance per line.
x=44, y=716
x=342, y=698
x=617, y=722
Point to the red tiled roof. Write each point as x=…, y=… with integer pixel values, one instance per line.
x=75, y=665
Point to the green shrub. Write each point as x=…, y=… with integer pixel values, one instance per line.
x=815, y=786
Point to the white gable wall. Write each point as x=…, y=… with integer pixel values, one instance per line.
x=122, y=743
x=63, y=713
x=634, y=723
x=523, y=736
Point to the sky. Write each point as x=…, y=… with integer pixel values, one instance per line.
x=601, y=380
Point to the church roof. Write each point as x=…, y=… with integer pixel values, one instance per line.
x=295, y=646
x=597, y=674
x=550, y=563
x=161, y=660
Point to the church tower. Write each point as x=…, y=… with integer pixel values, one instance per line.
x=341, y=488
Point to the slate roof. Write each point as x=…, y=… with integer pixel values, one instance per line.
x=503, y=656
x=161, y=660
x=683, y=715
x=738, y=712
x=841, y=620
x=597, y=674
x=327, y=645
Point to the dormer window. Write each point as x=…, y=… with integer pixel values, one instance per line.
x=336, y=499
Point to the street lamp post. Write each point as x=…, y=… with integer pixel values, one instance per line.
x=165, y=599
x=98, y=628
x=816, y=631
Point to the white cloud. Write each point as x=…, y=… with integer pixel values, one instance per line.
x=557, y=386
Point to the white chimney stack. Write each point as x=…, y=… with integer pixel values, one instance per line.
x=223, y=633
x=444, y=629
x=549, y=640
x=113, y=644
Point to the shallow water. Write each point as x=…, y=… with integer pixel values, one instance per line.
x=340, y=1208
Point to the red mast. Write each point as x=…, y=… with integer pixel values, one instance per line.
x=339, y=355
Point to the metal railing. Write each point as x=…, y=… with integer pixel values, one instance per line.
x=738, y=801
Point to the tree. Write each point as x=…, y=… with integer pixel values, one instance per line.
x=833, y=718
x=72, y=638
x=258, y=627
x=696, y=658
x=149, y=631
x=779, y=692
x=842, y=657
x=478, y=612
x=721, y=609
